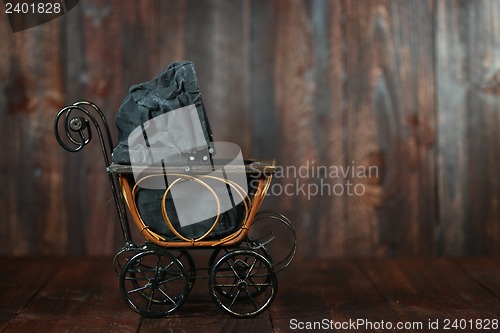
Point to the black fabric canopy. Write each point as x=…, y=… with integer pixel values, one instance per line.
x=175, y=88
x=146, y=104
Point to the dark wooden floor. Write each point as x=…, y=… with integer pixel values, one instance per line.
x=81, y=295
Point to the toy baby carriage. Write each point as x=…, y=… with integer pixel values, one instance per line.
x=184, y=192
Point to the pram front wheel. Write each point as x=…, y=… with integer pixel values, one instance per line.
x=154, y=283
x=243, y=283
x=123, y=256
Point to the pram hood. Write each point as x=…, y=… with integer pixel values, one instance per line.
x=163, y=123
x=168, y=111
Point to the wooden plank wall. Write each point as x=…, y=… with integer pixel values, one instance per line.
x=408, y=87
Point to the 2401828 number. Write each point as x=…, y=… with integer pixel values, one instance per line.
x=33, y=8
x=471, y=324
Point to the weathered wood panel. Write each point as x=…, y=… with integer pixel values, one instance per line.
x=389, y=123
x=364, y=101
x=468, y=126
x=294, y=111
x=94, y=39
x=408, y=87
x=33, y=208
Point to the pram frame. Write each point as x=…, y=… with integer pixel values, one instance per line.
x=77, y=130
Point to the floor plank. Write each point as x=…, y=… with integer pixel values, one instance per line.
x=82, y=295
x=319, y=290
x=486, y=271
x=18, y=284
x=431, y=290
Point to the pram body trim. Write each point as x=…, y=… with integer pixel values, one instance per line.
x=264, y=170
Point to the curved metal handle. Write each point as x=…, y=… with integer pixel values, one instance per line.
x=78, y=129
x=78, y=133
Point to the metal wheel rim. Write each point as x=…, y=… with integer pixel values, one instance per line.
x=282, y=262
x=154, y=290
x=213, y=259
x=241, y=264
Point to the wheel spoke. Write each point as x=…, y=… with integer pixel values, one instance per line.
x=225, y=285
x=234, y=299
x=169, y=265
x=158, y=262
x=259, y=284
x=170, y=279
x=252, y=284
x=167, y=296
x=140, y=271
x=225, y=277
x=251, y=299
x=130, y=278
x=138, y=289
x=166, y=273
x=251, y=269
x=233, y=269
x=150, y=301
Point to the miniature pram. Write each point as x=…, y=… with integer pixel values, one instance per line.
x=156, y=277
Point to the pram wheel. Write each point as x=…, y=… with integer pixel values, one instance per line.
x=243, y=283
x=154, y=283
x=123, y=256
x=219, y=253
x=274, y=233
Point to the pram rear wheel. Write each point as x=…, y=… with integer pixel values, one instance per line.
x=243, y=283
x=219, y=253
x=154, y=283
x=275, y=233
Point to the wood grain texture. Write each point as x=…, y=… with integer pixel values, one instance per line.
x=467, y=67
x=19, y=286
x=418, y=291
x=408, y=87
x=390, y=124
x=294, y=111
x=82, y=295
x=483, y=271
x=31, y=201
x=338, y=290
x=87, y=292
